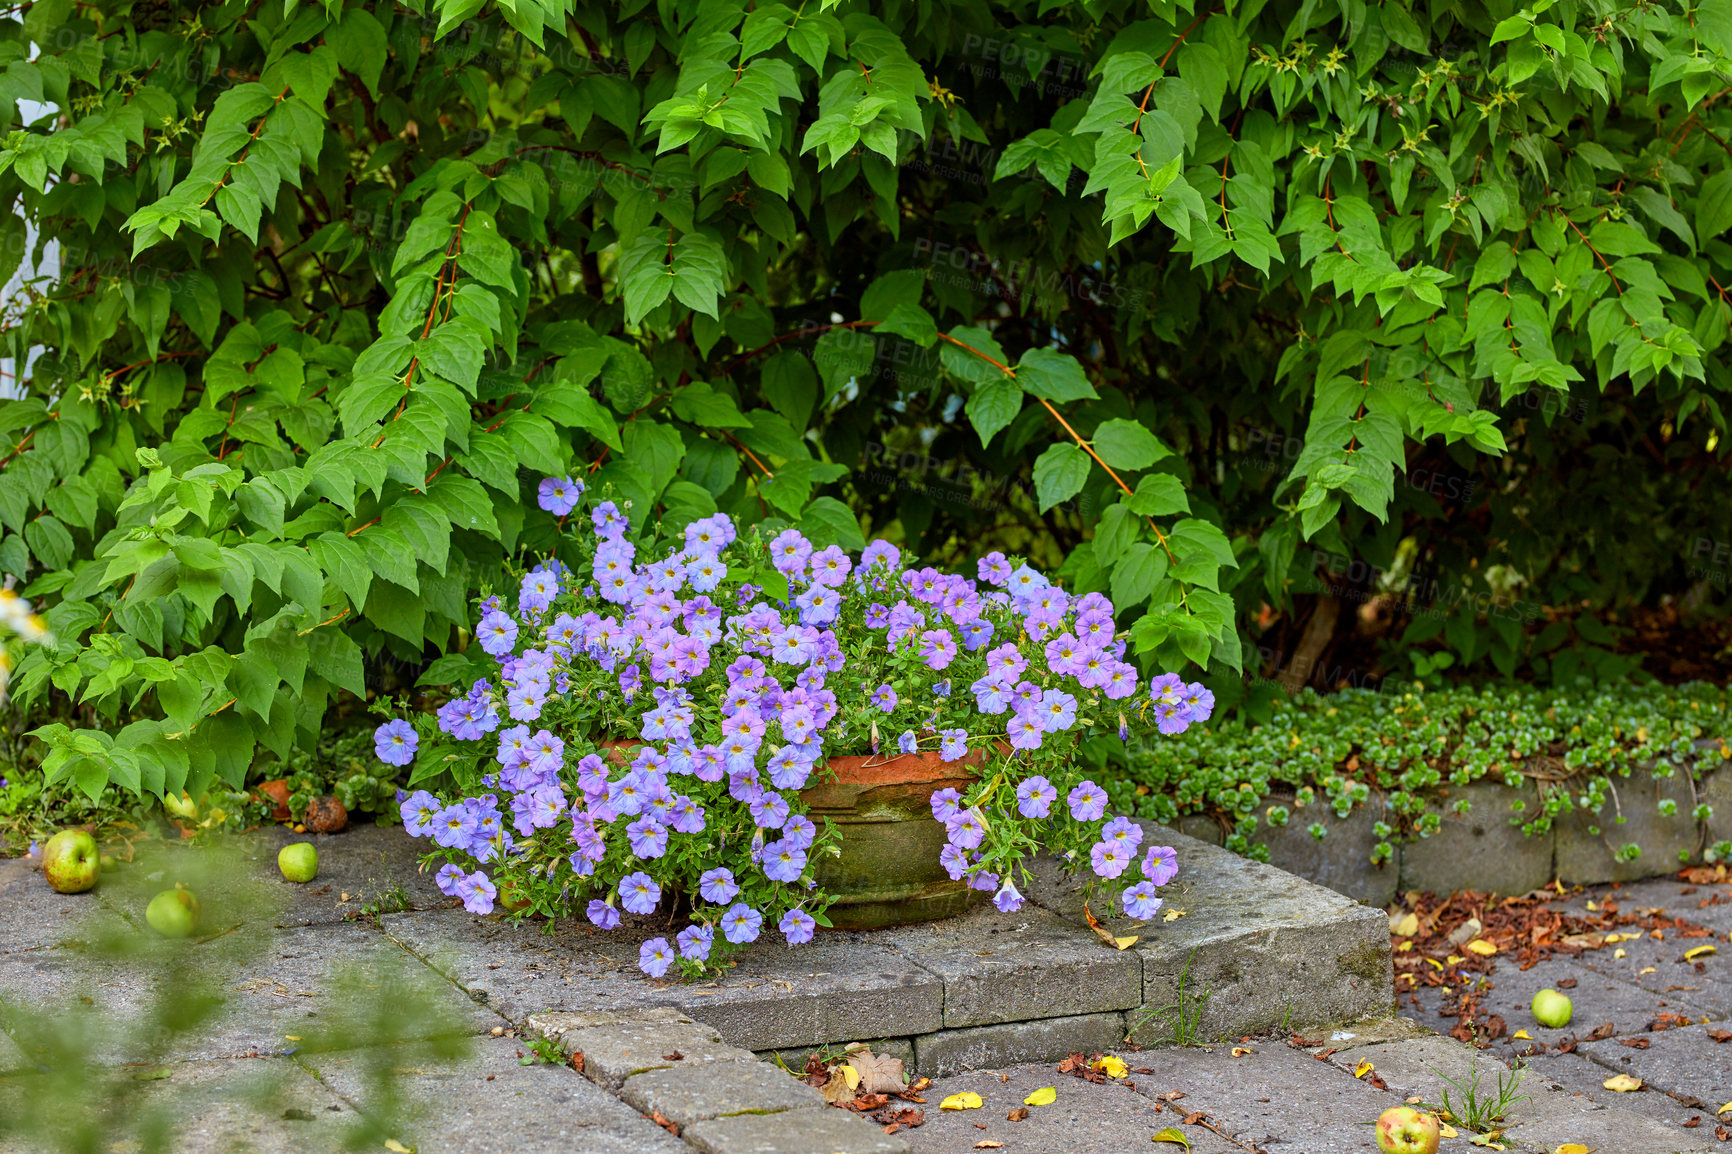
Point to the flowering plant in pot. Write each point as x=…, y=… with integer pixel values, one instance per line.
x=654, y=716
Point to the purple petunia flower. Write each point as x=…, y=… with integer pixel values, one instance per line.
x=718, y=886
x=1035, y=796
x=1124, y=833
x=1141, y=902
x=695, y=942
x=966, y=829
x=602, y=914
x=1087, y=802
x=937, y=648
x=477, y=893
x=497, y=632
x=655, y=956
x=741, y=923
x=1109, y=860
x=783, y=862
x=639, y=893
x=395, y=742
x=884, y=698
x=419, y=811
x=648, y=837
x=907, y=743
x=797, y=926
x=1007, y=899
x=945, y=804
x=955, y=744
x=558, y=495
x=1161, y=864
x=447, y=878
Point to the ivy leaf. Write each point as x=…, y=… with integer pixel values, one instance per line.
x=1059, y=474
x=994, y=405
x=1127, y=445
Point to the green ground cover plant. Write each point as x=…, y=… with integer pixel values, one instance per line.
x=1315, y=754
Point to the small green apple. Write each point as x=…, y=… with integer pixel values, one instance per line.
x=110, y=863
x=70, y=861
x=1552, y=1009
x=299, y=862
x=173, y=914
x=1404, y=1130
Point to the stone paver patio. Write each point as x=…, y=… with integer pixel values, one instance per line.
x=987, y=1002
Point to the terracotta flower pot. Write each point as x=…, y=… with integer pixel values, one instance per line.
x=888, y=872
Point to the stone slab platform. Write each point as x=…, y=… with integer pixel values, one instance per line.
x=1251, y=948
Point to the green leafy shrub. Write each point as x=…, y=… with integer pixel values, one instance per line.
x=340, y=283
x=1580, y=747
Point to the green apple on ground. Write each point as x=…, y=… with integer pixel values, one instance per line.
x=1552, y=1009
x=173, y=914
x=110, y=863
x=1404, y=1130
x=70, y=861
x=299, y=862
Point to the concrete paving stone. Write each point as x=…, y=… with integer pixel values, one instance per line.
x=34, y=916
x=1584, y=857
x=1341, y=861
x=1595, y=999
x=1015, y=967
x=718, y=1090
x=1478, y=850
x=1583, y=1080
x=1270, y=948
x=1013, y=1043
x=557, y=1022
x=839, y=987
x=1660, y=967
x=825, y=1131
x=267, y=1107
x=375, y=865
x=1086, y=1118
x=1278, y=1098
x=1693, y=903
x=1684, y=1061
x=488, y=1102
x=611, y=1054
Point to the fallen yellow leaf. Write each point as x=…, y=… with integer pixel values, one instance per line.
x=1723, y=1109
x=1045, y=1096
x=1698, y=952
x=851, y=1076
x=1455, y=959
x=1593, y=907
x=1645, y=970
x=1174, y=1135
x=1172, y=915
x=1241, y=1051
x=1618, y=953
x=1623, y=1083
x=396, y=1147
x=1522, y=1034
x=1435, y=964
x=987, y=1144
x=1405, y=926
x=291, y=1037
x=1363, y=1069
x=1482, y=947
x=1403, y=947
x=1445, y=1130
x=1488, y=1140
x=1572, y=1148
x=1110, y=1066
x=967, y=1100
x=1125, y=943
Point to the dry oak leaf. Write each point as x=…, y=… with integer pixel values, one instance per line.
x=879, y=1073
x=1017, y=1114
x=1721, y=1035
